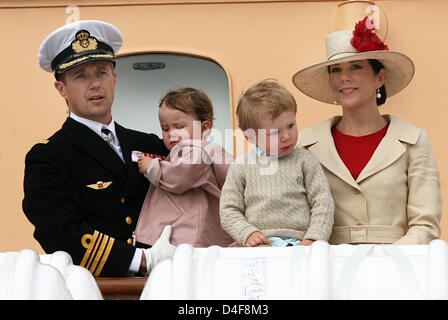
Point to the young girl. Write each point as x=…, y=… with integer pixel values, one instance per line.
x=186, y=187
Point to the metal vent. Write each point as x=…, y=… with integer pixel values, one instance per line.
x=148, y=66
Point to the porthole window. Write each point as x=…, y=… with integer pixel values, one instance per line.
x=143, y=79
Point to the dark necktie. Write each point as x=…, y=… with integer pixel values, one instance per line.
x=107, y=135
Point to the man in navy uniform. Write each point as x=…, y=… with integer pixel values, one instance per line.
x=83, y=193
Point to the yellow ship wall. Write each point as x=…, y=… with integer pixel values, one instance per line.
x=251, y=40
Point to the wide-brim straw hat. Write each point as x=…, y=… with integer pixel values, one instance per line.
x=314, y=81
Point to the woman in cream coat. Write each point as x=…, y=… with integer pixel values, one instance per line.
x=385, y=190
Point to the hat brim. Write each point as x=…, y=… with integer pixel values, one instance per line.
x=314, y=81
x=85, y=59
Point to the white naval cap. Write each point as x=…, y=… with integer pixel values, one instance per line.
x=77, y=43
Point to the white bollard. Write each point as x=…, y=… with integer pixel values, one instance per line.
x=26, y=275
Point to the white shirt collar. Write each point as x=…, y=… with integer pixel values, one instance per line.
x=95, y=126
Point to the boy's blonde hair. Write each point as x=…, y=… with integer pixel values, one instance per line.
x=265, y=98
x=190, y=100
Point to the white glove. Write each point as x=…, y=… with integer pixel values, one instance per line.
x=161, y=250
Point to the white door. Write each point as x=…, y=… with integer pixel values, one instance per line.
x=143, y=79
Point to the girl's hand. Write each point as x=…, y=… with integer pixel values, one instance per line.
x=143, y=164
x=257, y=238
x=306, y=242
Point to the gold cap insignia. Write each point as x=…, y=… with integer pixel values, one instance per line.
x=99, y=185
x=84, y=42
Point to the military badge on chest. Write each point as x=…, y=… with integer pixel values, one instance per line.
x=99, y=185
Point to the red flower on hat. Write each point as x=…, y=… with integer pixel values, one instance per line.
x=365, y=39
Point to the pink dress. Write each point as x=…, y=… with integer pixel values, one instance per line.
x=184, y=193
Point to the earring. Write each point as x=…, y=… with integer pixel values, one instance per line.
x=378, y=94
x=335, y=102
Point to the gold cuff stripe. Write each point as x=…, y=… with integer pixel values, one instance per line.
x=93, y=255
x=69, y=64
x=88, y=245
x=99, y=254
x=105, y=256
x=98, y=248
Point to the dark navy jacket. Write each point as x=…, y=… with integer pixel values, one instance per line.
x=83, y=199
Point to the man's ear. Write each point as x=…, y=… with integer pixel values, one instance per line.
x=59, y=85
x=250, y=135
x=115, y=79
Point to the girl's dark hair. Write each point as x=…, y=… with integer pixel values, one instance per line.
x=377, y=66
x=191, y=101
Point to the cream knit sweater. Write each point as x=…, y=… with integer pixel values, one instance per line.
x=283, y=197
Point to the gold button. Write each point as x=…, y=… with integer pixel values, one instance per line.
x=128, y=220
x=123, y=200
x=130, y=241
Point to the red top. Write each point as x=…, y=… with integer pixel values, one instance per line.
x=355, y=152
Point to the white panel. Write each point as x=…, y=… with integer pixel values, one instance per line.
x=319, y=271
